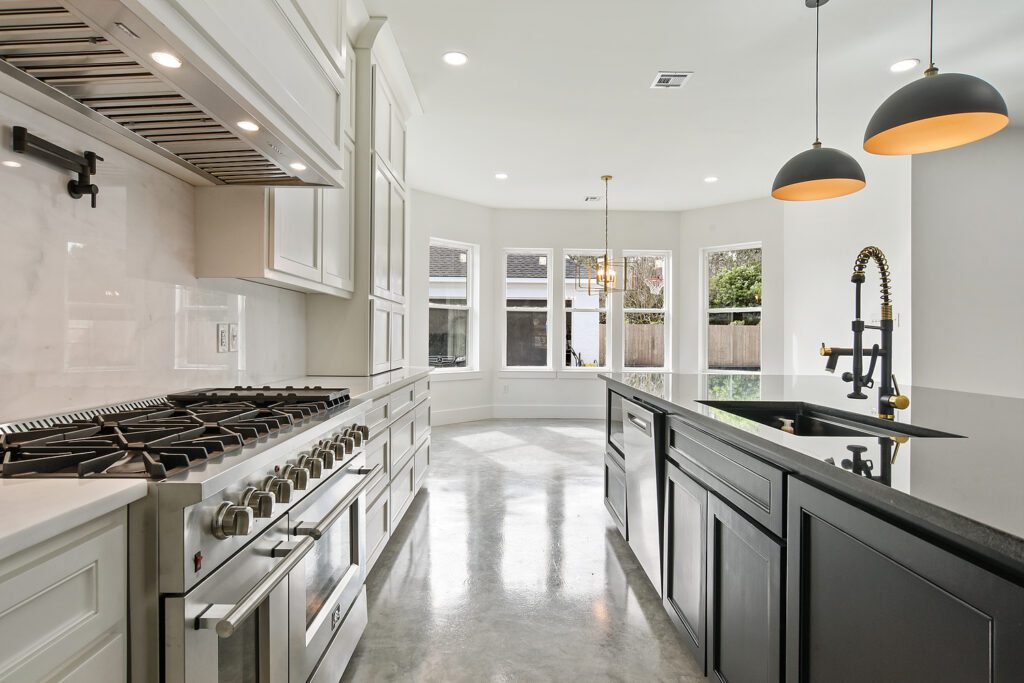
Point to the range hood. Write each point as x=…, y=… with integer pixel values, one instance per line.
x=92, y=56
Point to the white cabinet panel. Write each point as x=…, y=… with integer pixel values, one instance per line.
x=381, y=231
x=396, y=249
x=338, y=209
x=380, y=336
x=295, y=225
x=398, y=350
x=381, y=116
x=397, y=144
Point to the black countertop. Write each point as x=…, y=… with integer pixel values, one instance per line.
x=965, y=491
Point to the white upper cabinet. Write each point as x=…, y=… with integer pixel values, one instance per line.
x=338, y=210
x=396, y=247
x=381, y=231
x=295, y=228
x=388, y=126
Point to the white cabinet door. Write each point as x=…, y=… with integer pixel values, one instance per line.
x=338, y=210
x=398, y=350
x=295, y=229
x=396, y=249
x=397, y=144
x=380, y=336
x=381, y=116
x=349, y=91
x=381, y=230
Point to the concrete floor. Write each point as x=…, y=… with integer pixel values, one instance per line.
x=507, y=567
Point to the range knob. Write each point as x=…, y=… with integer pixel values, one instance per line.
x=345, y=443
x=299, y=476
x=362, y=429
x=355, y=435
x=326, y=453
x=232, y=520
x=314, y=465
x=260, y=502
x=281, y=488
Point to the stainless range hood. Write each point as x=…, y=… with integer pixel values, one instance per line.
x=77, y=53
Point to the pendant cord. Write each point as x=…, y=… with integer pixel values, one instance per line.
x=817, y=42
x=931, y=37
x=606, y=223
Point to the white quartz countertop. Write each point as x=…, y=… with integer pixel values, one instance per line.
x=35, y=510
x=360, y=388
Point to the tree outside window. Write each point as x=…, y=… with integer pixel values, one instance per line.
x=644, y=311
x=733, y=309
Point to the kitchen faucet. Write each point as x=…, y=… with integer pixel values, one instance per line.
x=889, y=397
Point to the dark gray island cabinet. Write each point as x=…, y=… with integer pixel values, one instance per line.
x=772, y=573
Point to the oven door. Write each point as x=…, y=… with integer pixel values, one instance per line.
x=233, y=627
x=328, y=584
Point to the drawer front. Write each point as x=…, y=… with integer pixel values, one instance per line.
x=421, y=421
x=62, y=597
x=615, y=492
x=378, y=452
x=403, y=487
x=377, y=416
x=378, y=526
x=746, y=482
x=421, y=463
x=421, y=388
x=402, y=399
x=403, y=437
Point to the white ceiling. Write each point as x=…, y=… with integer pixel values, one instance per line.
x=556, y=92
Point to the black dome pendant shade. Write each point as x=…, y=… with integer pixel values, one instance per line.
x=936, y=112
x=819, y=172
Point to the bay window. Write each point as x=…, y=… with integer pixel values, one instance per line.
x=527, y=278
x=645, y=328
x=732, y=308
x=586, y=314
x=453, y=320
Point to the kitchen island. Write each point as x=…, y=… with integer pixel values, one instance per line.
x=802, y=538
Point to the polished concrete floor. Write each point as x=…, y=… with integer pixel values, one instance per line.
x=507, y=567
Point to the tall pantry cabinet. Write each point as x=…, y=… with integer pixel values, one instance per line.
x=367, y=334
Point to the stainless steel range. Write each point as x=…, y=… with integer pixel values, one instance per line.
x=247, y=558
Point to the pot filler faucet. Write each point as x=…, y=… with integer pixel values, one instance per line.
x=889, y=397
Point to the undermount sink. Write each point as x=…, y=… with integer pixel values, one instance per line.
x=807, y=419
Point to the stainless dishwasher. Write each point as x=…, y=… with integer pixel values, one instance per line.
x=642, y=432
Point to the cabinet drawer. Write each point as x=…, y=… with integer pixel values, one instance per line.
x=402, y=440
x=378, y=452
x=421, y=388
x=421, y=463
x=615, y=492
x=377, y=416
x=403, y=487
x=421, y=421
x=378, y=526
x=746, y=482
x=402, y=399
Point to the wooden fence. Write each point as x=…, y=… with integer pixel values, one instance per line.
x=734, y=347
x=645, y=346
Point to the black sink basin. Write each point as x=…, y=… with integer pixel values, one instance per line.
x=807, y=419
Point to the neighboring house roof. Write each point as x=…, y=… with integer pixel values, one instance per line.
x=444, y=262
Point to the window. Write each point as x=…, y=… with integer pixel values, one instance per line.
x=452, y=329
x=732, y=302
x=527, y=308
x=645, y=311
x=586, y=314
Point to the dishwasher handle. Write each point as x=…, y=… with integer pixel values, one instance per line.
x=638, y=422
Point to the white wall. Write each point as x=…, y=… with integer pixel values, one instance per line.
x=968, y=230
x=821, y=242
x=100, y=305
x=760, y=220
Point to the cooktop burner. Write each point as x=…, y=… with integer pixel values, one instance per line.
x=164, y=438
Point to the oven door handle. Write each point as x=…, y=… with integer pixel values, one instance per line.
x=226, y=618
x=316, y=531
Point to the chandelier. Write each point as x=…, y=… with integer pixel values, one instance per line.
x=605, y=275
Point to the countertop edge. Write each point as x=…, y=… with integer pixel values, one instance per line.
x=997, y=550
x=109, y=495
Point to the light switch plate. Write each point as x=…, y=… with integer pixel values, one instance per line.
x=233, y=337
x=222, y=337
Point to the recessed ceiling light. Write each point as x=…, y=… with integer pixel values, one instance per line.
x=455, y=58
x=711, y=179
x=904, y=65
x=297, y=166
x=11, y=164
x=249, y=126
x=501, y=176
x=166, y=59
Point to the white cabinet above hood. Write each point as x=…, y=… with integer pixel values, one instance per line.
x=262, y=61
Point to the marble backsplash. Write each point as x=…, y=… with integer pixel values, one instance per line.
x=100, y=305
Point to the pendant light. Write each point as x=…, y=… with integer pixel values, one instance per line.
x=936, y=112
x=607, y=275
x=820, y=172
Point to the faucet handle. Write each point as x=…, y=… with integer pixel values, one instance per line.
x=833, y=358
x=896, y=399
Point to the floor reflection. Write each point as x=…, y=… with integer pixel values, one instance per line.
x=508, y=568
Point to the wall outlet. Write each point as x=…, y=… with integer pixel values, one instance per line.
x=233, y=337
x=222, y=338
x=504, y=388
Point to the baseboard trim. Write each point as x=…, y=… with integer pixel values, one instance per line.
x=515, y=411
x=451, y=416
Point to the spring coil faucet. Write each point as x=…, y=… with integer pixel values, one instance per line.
x=889, y=397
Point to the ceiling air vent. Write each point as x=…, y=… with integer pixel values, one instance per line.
x=671, y=79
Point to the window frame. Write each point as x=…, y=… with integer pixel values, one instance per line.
x=505, y=308
x=471, y=305
x=666, y=310
x=607, y=310
x=705, y=310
